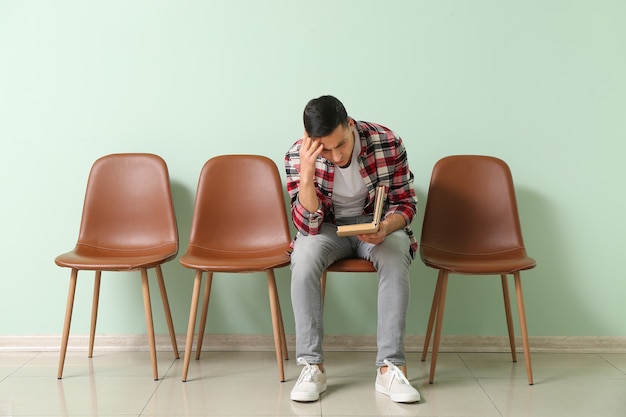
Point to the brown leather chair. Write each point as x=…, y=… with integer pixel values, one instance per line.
x=239, y=225
x=471, y=226
x=128, y=223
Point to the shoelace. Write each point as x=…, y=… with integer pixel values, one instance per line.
x=309, y=374
x=396, y=374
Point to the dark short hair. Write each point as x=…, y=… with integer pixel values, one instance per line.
x=322, y=115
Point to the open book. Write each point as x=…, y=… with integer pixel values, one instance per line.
x=360, y=228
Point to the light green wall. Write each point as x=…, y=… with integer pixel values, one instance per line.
x=541, y=84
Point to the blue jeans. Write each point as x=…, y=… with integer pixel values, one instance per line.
x=312, y=254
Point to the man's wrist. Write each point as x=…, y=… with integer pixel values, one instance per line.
x=393, y=222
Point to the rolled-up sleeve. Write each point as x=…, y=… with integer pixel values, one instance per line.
x=306, y=222
x=402, y=198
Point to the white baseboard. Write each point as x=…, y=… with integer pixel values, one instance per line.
x=242, y=343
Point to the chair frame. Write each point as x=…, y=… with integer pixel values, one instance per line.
x=145, y=287
x=280, y=342
x=436, y=319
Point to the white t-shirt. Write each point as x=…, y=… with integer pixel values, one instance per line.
x=349, y=190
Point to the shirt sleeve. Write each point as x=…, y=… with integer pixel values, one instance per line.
x=305, y=222
x=401, y=196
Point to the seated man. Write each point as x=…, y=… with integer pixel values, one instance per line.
x=332, y=176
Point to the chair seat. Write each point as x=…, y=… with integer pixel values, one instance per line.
x=220, y=261
x=352, y=265
x=93, y=258
x=492, y=263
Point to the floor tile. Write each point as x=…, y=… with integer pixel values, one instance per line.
x=10, y=362
x=554, y=397
x=544, y=366
x=16, y=358
x=221, y=396
x=617, y=360
x=449, y=365
x=48, y=396
x=78, y=364
x=238, y=364
x=246, y=384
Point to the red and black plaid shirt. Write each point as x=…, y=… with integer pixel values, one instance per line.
x=382, y=160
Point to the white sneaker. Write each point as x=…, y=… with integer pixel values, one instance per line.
x=394, y=384
x=310, y=385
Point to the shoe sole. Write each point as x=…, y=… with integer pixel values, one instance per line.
x=306, y=397
x=408, y=398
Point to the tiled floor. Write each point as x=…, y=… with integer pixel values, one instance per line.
x=246, y=384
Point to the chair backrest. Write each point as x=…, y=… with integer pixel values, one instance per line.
x=128, y=205
x=240, y=206
x=471, y=207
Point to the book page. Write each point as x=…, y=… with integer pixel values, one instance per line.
x=372, y=227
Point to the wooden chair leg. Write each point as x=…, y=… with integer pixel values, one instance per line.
x=431, y=317
x=522, y=320
x=509, y=316
x=275, y=311
x=166, y=310
x=147, y=304
x=205, y=311
x=191, y=326
x=283, y=338
x=68, y=321
x=440, y=309
x=94, y=312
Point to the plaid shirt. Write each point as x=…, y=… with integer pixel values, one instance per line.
x=382, y=160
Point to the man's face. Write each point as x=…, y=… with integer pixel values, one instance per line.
x=338, y=146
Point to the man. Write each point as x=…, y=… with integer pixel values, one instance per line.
x=332, y=175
